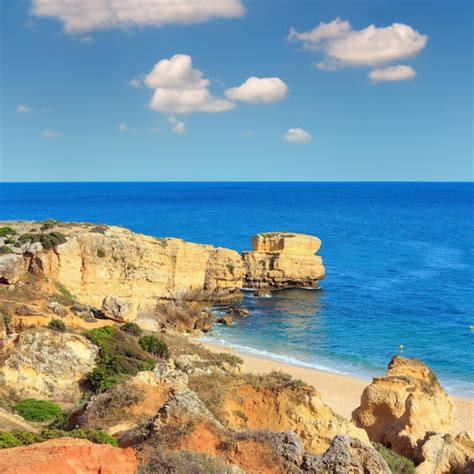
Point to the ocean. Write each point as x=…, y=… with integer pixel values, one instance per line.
x=399, y=260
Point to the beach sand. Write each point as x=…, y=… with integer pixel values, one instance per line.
x=341, y=392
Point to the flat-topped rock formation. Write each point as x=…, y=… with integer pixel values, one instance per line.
x=125, y=274
x=283, y=260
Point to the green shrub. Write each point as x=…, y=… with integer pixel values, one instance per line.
x=12, y=439
x=131, y=328
x=397, y=464
x=57, y=325
x=99, y=229
x=65, y=296
x=4, y=231
x=5, y=249
x=48, y=241
x=120, y=357
x=101, y=253
x=154, y=346
x=38, y=410
x=9, y=241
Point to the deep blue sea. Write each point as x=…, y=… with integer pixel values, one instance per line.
x=399, y=260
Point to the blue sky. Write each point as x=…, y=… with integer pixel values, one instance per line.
x=329, y=103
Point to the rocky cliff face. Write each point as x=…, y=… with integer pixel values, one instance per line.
x=126, y=274
x=398, y=409
x=67, y=456
x=283, y=260
x=48, y=365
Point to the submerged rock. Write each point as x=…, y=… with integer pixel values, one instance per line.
x=398, y=409
x=227, y=320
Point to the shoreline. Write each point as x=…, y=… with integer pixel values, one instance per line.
x=340, y=392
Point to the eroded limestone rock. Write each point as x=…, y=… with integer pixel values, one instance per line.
x=283, y=260
x=12, y=268
x=399, y=408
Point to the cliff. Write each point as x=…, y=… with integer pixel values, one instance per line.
x=283, y=260
x=125, y=274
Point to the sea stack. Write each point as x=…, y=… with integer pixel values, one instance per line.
x=283, y=260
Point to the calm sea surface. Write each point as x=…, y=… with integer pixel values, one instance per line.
x=399, y=261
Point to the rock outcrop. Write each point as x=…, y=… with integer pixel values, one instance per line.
x=283, y=260
x=349, y=455
x=48, y=365
x=399, y=408
x=67, y=456
x=445, y=453
x=12, y=268
x=276, y=402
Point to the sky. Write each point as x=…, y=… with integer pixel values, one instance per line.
x=236, y=90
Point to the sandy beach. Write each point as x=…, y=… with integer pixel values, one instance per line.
x=341, y=392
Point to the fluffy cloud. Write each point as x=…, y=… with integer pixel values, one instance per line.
x=23, y=109
x=179, y=88
x=259, y=89
x=392, y=73
x=86, y=39
x=371, y=46
x=51, y=134
x=124, y=128
x=79, y=16
x=177, y=126
x=297, y=135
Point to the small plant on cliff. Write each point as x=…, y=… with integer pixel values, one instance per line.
x=101, y=253
x=57, y=325
x=5, y=249
x=7, y=321
x=38, y=410
x=65, y=296
x=4, y=231
x=120, y=357
x=48, y=241
x=49, y=224
x=12, y=439
x=131, y=328
x=397, y=464
x=230, y=267
x=154, y=346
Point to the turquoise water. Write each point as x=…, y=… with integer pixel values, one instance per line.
x=399, y=259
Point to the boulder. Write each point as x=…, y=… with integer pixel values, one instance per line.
x=226, y=319
x=439, y=454
x=117, y=309
x=283, y=260
x=48, y=365
x=57, y=308
x=399, y=408
x=12, y=268
x=238, y=311
x=68, y=456
x=348, y=455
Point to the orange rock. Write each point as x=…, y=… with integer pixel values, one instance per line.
x=67, y=456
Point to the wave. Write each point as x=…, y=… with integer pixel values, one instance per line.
x=285, y=359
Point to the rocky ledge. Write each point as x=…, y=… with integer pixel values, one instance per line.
x=126, y=274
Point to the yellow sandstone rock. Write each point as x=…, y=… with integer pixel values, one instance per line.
x=283, y=260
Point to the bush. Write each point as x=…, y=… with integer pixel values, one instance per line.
x=4, y=231
x=38, y=410
x=12, y=439
x=131, y=328
x=49, y=224
x=57, y=325
x=5, y=249
x=65, y=296
x=101, y=253
x=397, y=464
x=48, y=241
x=154, y=346
x=120, y=357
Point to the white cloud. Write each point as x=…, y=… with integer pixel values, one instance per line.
x=86, y=39
x=155, y=130
x=371, y=46
x=179, y=88
x=248, y=133
x=23, y=109
x=297, y=135
x=177, y=126
x=259, y=89
x=392, y=73
x=136, y=82
x=79, y=16
x=51, y=134
x=124, y=128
